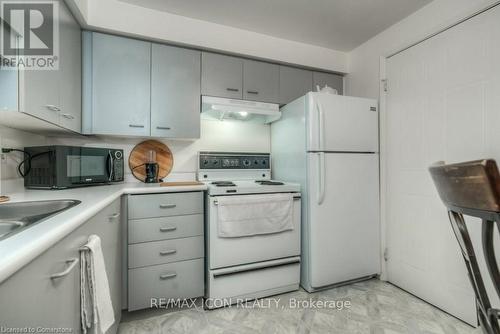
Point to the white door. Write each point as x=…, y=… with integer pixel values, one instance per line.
x=443, y=103
x=339, y=123
x=343, y=217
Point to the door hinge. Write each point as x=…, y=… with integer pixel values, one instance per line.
x=385, y=85
x=386, y=255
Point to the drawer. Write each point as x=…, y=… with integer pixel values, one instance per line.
x=163, y=205
x=159, y=252
x=175, y=280
x=163, y=228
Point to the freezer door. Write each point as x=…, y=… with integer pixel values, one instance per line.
x=343, y=219
x=339, y=123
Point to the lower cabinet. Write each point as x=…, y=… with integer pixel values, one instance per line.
x=165, y=248
x=31, y=298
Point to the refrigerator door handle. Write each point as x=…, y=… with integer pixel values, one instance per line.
x=321, y=177
x=321, y=126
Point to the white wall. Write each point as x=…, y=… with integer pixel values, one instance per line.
x=10, y=138
x=124, y=18
x=215, y=136
x=363, y=77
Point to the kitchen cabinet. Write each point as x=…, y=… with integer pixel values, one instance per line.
x=165, y=247
x=47, y=100
x=175, y=92
x=31, y=298
x=332, y=80
x=137, y=88
x=294, y=83
x=221, y=76
x=261, y=81
x=118, y=94
x=70, y=77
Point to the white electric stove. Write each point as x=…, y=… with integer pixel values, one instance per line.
x=252, y=266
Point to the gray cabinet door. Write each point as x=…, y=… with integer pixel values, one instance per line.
x=121, y=69
x=8, y=86
x=294, y=83
x=30, y=298
x=332, y=80
x=70, y=68
x=39, y=94
x=221, y=76
x=261, y=81
x=175, y=92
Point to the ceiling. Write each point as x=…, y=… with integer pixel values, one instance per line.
x=334, y=24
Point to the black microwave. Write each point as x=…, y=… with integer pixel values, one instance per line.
x=61, y=167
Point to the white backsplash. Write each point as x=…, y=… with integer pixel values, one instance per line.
x=215, y=136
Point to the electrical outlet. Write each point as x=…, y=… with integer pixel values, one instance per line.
x=3, y=157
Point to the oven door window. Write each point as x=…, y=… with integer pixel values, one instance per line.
x=87, y=168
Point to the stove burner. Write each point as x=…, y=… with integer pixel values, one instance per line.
x=269, y=183
x=223, y=184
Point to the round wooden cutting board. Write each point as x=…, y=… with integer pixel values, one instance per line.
x=140, y=154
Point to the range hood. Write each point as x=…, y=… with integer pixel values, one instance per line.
x=217, y=108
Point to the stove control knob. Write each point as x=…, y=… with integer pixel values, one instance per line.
x=256, y=162
x=205, y=162
x=246, y=162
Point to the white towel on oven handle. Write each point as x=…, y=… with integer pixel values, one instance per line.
x=247, y=215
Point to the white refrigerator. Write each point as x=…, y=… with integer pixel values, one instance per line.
x=329, y=144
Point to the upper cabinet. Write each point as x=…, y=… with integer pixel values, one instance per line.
x=237, y=78
x=48, y=100
x=70, y=78
x=137, y=88
x=294, y=83
x=221, y=76
x=332, y=80
x=119, y=92
x=261, y=81
x=175, y=92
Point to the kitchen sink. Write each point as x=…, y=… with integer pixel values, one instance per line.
x=15, y=217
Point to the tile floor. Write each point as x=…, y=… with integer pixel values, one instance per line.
x=375, y=307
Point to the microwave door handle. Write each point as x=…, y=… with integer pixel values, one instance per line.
x=110, y=165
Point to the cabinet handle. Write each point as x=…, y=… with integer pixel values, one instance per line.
x=168, y=252
x=167, y=206
x=168, y=229
x=72, y=264
x=52, y=107
x=167, y=276
x=252, y=92
x=136, y=125
x=163, y=128
x=113, y=216
x=68, y=116
x=232, y=89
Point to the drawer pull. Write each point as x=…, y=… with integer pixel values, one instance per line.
x=52, y=107
x=163, y=127
x=168, y=252
x=167, y=276
x=232, y=89
x=113, y=216
x=168, y=229
x=167, y=206
x=68, y=116
x=136, y=125
x=72, y=264
x=252, y=92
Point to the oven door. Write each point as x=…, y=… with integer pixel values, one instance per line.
x=85, y=165
x=226, y=252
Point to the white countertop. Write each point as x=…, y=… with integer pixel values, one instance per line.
x=19, y=249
